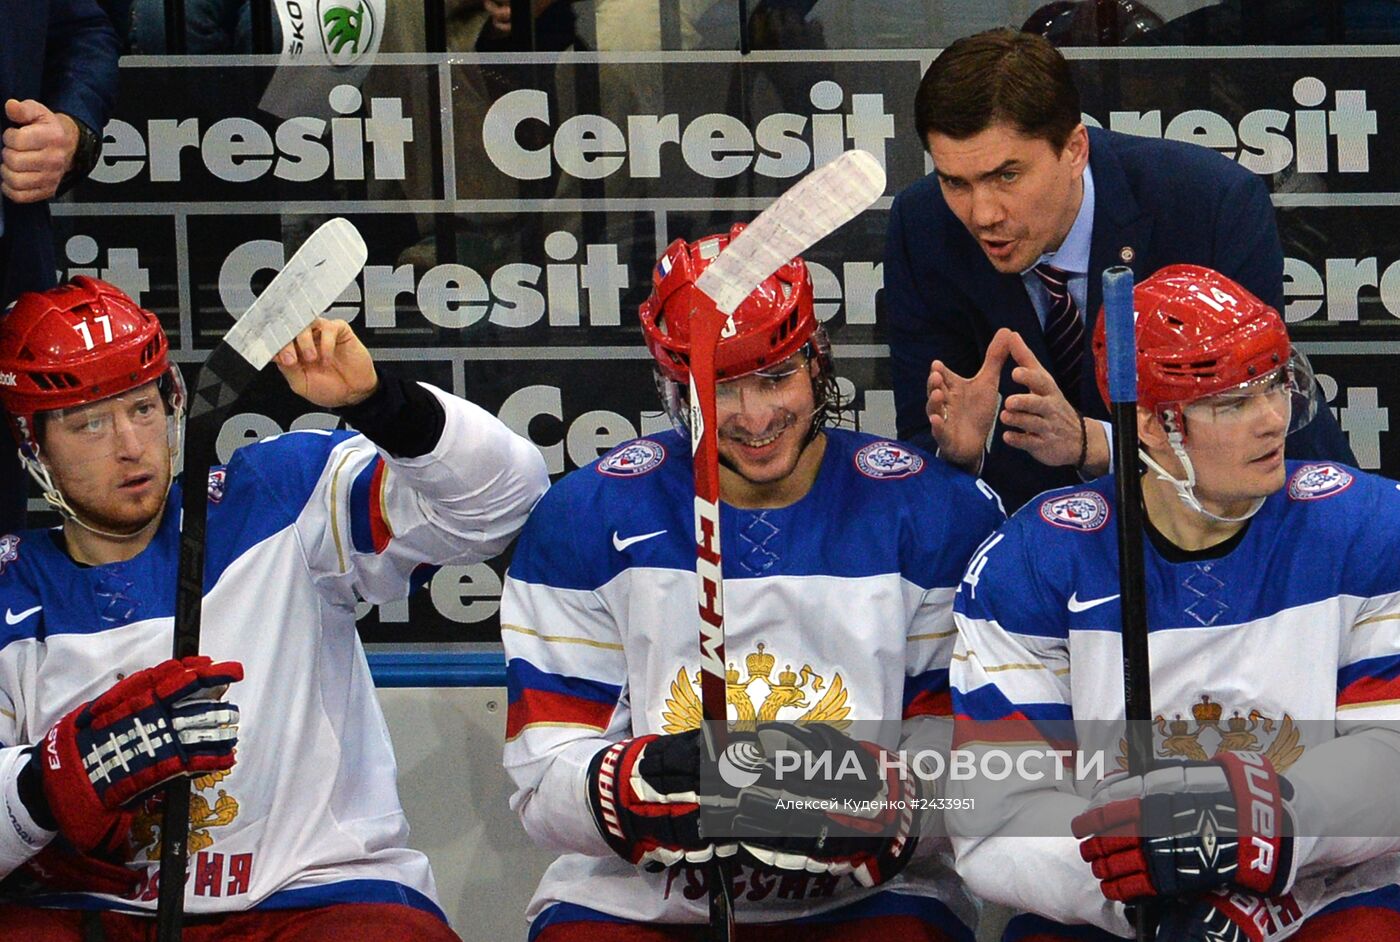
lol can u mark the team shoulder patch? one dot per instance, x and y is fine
(634, 458)
(887, 460)
(216, 485)
(1083, 510)
(9, 550)
(1316, 481)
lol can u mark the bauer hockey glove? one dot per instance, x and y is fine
(157, 724)
(1189, 828)
(827, 803)
(651, 801)
(1228, 916)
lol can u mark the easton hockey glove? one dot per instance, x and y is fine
(61, 868)
(1189, 828)
(826, 803)
(648, 798)
(157, 724)
(1228, 916)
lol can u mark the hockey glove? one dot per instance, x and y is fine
(826, 803)
(1228, 916)
(157, 724)
(58, 868)
(648, 797)
(1189, 828)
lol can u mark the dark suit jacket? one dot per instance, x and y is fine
(62, 53)
(1156, 203)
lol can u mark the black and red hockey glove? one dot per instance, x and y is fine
(651, 800)
(1190, 828)
(827, 803)
(157, 724)
(1228, 916)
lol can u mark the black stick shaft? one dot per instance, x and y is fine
(1137, 686)
(1137, 690)
(224, 375)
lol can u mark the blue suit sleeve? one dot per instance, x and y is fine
(80, 62)
(921, 327)
(1247, 248)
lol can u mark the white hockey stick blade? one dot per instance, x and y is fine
(815, 206)
(312, 279)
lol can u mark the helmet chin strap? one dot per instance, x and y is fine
(54, 497)
(1186, 490)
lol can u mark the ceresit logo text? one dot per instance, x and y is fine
(714, 145)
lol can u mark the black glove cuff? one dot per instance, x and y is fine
(401, 417)
(31, 793)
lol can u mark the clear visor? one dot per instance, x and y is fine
(131, 424)
(763, 389)
(1288, 394)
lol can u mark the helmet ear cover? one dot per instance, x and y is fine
(772, 323)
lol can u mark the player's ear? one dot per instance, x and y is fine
(1152, 433)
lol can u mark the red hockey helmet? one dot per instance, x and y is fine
(772, 324)
(1198, 334)
(72, 345)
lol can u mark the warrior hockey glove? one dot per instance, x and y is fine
(1188, 828)
(826, 803)
(157, 724)
(647, 796)
(1228, 916)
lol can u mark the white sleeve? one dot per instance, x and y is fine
(566, 676)
(1344, 800)
(1010, 681)
(20, 836)
(1344, 797)
(1014, 844)
(374, 519)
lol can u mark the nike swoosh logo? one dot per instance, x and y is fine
(12, 619)
(1074, 605)
(621, 544)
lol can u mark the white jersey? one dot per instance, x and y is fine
(301, 527)
(1283, 640)
(838, 607)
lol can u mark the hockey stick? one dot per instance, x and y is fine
(309, 283)
(812, 209)
(1122, 394)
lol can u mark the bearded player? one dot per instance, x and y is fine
(296, 829)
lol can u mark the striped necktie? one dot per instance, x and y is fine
(1064, 330)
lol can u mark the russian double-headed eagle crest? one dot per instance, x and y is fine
(1208, 733)
(145, 830)
(761, 698)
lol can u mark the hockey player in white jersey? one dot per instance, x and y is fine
(1273, 606)
(840, 555)
(299, 835)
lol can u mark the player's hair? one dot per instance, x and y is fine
(1001, 75)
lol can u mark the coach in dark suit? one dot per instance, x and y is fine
(993, 262)
(58, 80)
